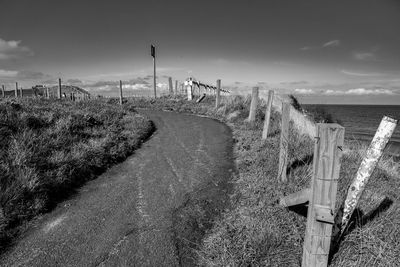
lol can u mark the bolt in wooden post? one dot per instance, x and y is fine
(120, 92)
(320, 217)
(3, 93)
(218, 94)
(284, 142)
(268, 114)
(367, 166)
(253, 105)
(59, 88)
(16, 89)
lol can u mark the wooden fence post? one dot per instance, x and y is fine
(176, 87)
(120, 92)
(59, 88)
(367, 166)
(284, 142)
(171, 89)
(21, 92)
(268, 114)
(16, 89)
(218, 96)
(189, 89)
(253, 105)
(320, 217)
(3, 93)
(47, 92)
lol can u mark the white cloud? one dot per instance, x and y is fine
(331, 43)
(304, 91)
(333, 92)
(363, 91)
(364, 56)
(13, 49)
(360, 91)
(305, 48)
(352, 73)
(8, 73)
(135, 86)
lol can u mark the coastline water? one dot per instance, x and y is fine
(362, 121)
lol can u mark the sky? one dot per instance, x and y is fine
(343, 52)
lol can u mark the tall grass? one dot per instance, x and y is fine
(48, 148)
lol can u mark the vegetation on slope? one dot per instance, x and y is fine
(257, 231)
(48, 148)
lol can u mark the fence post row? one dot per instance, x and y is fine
(284, 142)
(120, 92)
(253, 105)
(218, 96)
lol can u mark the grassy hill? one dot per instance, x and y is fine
(50, 147)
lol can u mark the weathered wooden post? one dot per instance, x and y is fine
(320, 217)
(176, 87)
(218, 94)
(171, 89)
(59, 88)
(3, 93)
(16, 89)
(367, 166)
(268, 114)
(120, 92)
(189, 89)
(284, 142)
(253, 105)
(21, 93)
(47, 92)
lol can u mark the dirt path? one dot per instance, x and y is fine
(140, 212)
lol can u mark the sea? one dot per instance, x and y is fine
(362, 121)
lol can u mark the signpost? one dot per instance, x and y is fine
(153, 54)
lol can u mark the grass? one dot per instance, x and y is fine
(257, 231)
(49, 148)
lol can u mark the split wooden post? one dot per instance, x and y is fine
(171, 89)
(284, 142)
(367, 166)
(253, 105)
(59, 88)
(176, 87)
(218, 96)
(16, 89)
(3, 93)
(268, 114)
(120, 92)
(320, 217)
